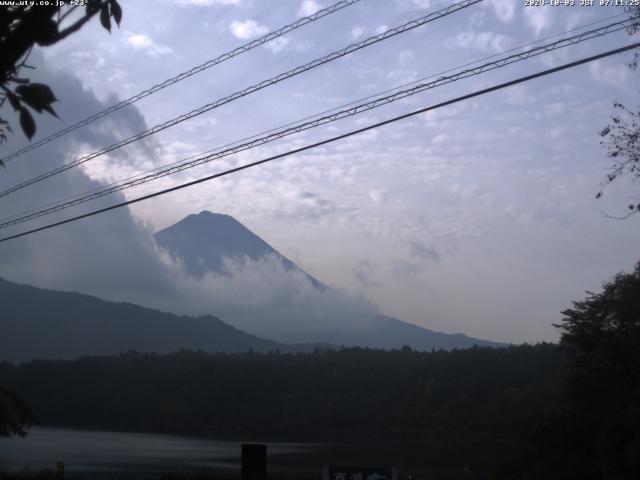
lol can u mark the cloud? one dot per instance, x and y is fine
(420, 250)
(539, 19)
(421, 3)
(406, 56)
(381, 29)
(301, 204)
(308, 8)
(365, 274)
(441, 117)
(83, 57)
(204, 3)
(277, 45)
(262, 297)
(356, 32)
(141, 41)
(413, 4)
(402, 269)
(112, 255)
(610, 74)
(247, 29)
(377, 195)
(504, 9)
(485, 41)
(520, 95)
(440, 139)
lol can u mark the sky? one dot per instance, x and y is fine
(478, 218)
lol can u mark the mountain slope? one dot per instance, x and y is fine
(202, 241)
(389, 332)
(383, 332)
(37, 323)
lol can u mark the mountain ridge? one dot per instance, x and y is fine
(40, 323)
(202, 241)
(44, 323)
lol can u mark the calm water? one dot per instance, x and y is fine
(148, 455)
(119, 456)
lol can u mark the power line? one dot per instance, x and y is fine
(252, 89)
(333, 109)
(184, 75)
(331, 140)
(303, 126)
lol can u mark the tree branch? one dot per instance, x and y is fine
(71, 28)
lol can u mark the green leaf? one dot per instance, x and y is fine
(27, 123)
(37, 95)
(116, 11)
(104, 16)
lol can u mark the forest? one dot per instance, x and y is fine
(473, 404)
(311, 396)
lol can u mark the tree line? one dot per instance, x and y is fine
(465, 404)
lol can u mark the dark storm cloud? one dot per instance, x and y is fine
(110, 255)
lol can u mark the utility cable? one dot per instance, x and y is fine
(331, 140)
(184, 75)
(303, 126)
(252, 89)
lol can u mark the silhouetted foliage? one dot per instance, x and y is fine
(622, 140)
(15, 415)
(634, 12)
(21, 28)
(621, 137)
(595, 434)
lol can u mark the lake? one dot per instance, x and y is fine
(118, 456)
(146, 455)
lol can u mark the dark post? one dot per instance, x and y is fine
(254, 461)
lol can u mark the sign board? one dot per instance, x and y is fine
(254, 461)
(359, 473)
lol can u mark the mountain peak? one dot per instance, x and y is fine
(202, 241)
(207, 215)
